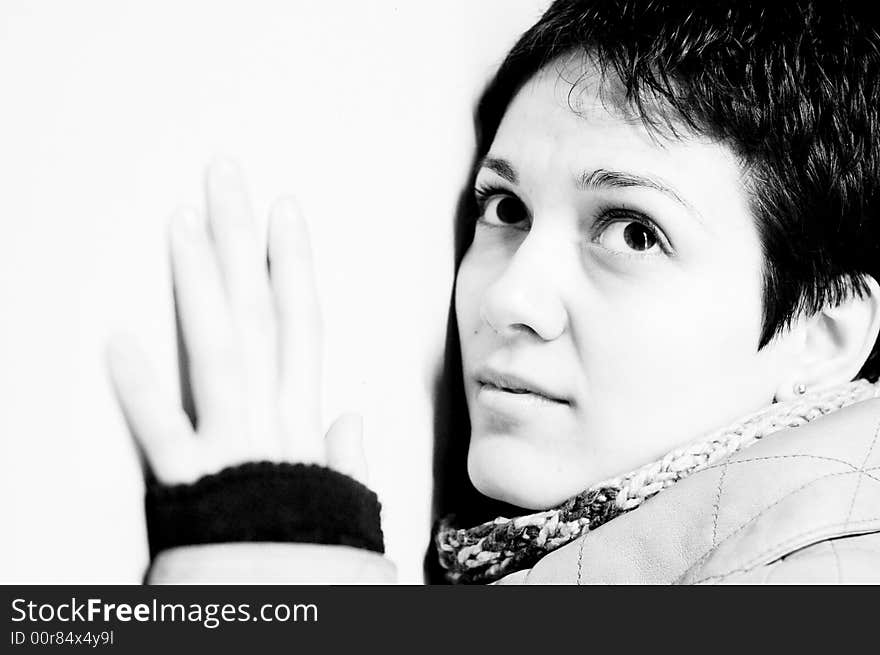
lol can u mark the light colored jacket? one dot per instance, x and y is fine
(800, 506)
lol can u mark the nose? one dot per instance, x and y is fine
(527, 297)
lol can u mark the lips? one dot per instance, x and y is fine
(512, 383)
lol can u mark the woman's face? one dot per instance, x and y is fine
(609, 307)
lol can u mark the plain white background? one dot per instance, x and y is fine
(109, 111)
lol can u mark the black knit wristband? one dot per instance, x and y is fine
(265, 501)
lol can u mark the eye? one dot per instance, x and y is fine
(500, 208)
(630, 234)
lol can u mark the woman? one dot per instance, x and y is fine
(671, 230)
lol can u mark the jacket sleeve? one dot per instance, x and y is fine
(265, 522)
(270, 563)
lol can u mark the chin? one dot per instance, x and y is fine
(507, 470)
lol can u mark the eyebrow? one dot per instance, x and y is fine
(597, 179)
(603, 178)
(501, 167)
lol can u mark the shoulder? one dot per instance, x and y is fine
(799, 502)
(846, 560)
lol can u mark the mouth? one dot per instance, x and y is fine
(493, 383)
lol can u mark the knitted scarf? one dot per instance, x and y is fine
(496, 548)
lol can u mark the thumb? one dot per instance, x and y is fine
(344, 445)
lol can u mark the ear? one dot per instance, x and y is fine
(834, 344)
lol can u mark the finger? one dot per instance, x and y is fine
(242, 261)
(161, 431)
(203, 315)
(344, 444)
(241, 256)
(299, 324)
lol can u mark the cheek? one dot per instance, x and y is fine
(698, 312)
(716, 318)
(697, 335)
(466, 294)
(681, 346)
(476, 272)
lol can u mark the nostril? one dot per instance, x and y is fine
(524, 307)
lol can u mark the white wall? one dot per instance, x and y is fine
(108, 112)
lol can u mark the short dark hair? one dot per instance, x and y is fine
(793, 87)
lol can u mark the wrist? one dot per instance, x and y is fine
(268, 502)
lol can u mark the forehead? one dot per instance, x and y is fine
(569, 118)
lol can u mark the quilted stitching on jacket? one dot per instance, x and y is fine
(866, 482)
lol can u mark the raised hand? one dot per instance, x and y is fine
(250, 336)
